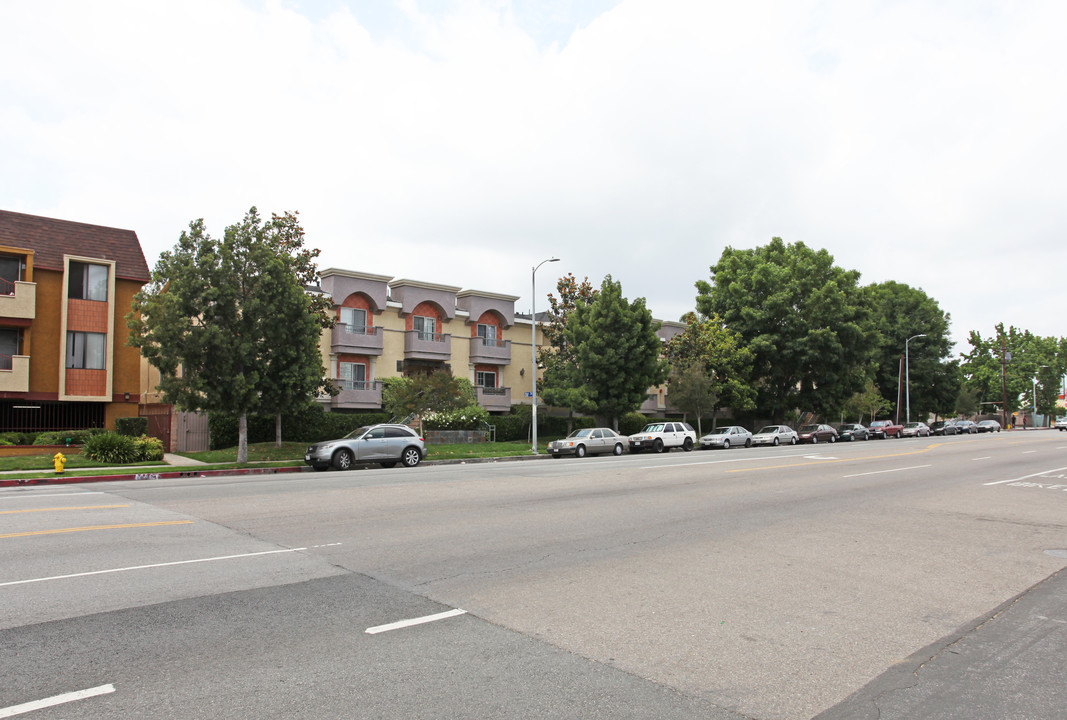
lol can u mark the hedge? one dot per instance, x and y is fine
(308, 424)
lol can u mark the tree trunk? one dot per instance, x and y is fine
(278, 430)
(242, 438)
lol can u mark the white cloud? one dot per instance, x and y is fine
(463, 142)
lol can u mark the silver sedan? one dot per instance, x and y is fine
(725, 437)
(776, 435)
(589, 441)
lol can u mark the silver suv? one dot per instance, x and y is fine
(385, 444)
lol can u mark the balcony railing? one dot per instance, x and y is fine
(358, 394)
(14, 373)
(421, 345)
(357, 339)
(18, 299)
(494, 399)
(490, 351)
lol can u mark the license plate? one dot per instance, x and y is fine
(307, 458)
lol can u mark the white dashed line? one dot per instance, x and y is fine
(879, 472)
(414, 621)
(1025, 477)
(55, 700)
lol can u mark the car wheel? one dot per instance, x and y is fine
(748, 442)
(776, 442)
(793, 440)
(618, 449)
(389, 464)
(579, 452)
(343, 459)
(411, 457)
(725, 444)
(657, 446)
(814, 439)
(833, 438)
(687, 446)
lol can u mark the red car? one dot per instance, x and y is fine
(885, 429)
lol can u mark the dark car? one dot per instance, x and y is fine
(852, 431)
(385, 444)
(967, 427)
(817, 433)
(944, 427)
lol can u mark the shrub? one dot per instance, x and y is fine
(472, 417)
(631, 423)
(18, 438)
(112, 448)
(149, 448)
(66, 437)
(310, 423)
(132, 426)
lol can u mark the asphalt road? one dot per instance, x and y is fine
(899, 578)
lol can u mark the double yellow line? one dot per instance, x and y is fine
(87, 527)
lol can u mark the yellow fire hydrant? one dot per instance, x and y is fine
(60, 460)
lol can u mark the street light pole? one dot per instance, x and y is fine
(533, 349)
(907, 377)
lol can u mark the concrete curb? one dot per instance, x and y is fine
(192, 472)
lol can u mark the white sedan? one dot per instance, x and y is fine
(726, 437)
(776, 435)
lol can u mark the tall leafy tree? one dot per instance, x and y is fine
(717, 351)
(208, 320)
(803, 318)
(690, 389)
(616, 350)
(899, 312)
(562, 384)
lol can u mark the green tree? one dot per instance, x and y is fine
(899, 312)
(438, 391)
(722, 358)
(867, 404)
(562, 385)
(690, 390)
(207, 320)
(803, 318)
(616, 350)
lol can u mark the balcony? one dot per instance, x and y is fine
(14, 373)
(357, 394)
(494, 399)
(420, 345)
(18, 299)
(356, 340)
(485, 351)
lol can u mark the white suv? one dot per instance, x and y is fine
(1061, 424)
(663, 435)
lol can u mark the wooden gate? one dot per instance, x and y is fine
(192, 433)
(158, 416)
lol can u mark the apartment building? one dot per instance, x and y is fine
(65, 289)
(390, 327)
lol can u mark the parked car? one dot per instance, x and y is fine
(883, 429)
(1061, 424)
(988, 426)
(944, 427)
(967, 427)
(776, 435)
(852, 431)
(385, 444)
(726, 437)
(589, 441)
(664, 435)
(915, 429)
(817, 433)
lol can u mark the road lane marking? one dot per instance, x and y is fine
(414, 621)
(879, 472)
(164, 564)
(1025, 477)
(987, 457)
(56, 509)
(1027, 452)
(95, 527)
(21, 494)
(14, 710)
(853, 459)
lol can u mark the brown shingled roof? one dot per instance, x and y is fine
(52, 239)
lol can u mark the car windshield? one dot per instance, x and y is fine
(845, 428)
(583, 432)
(769, 430)
(719, 431)
(655, 427)
(912, 425)
(809, 428)
(357, 432)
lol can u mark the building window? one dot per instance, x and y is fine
(354, 320)
(353, 376)
(487, 333)
(10, 342)
(86, 350)
(484, 379)
(10, 272)
(87, 282)
(426, 327)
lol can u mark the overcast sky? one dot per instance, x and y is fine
(463, 142)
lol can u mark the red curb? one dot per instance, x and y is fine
(70, 479)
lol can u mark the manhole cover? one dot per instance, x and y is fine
(1057, 553)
